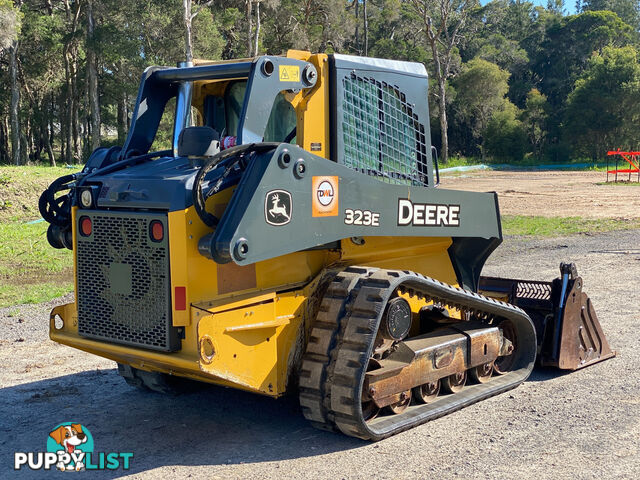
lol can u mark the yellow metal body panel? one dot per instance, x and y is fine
(312, 107)
(254, 346)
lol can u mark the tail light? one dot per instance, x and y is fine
(156, 231)
(86, 227)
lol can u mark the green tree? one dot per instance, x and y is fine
(443, 24)
(627, 10)
(9, 23)
(505, 137)
(602, 109)
(534, 120)
(315, 25)
(10, 20)
(481, 89)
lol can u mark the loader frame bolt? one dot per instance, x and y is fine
(267, 67)
(284, 160)
(299, 169)
(241, 249)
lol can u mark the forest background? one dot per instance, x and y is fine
(510, 80)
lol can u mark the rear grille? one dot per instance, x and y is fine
(123, 281)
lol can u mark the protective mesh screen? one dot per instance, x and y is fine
(123, 281)
(381, 134)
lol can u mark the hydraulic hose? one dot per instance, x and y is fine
(240, 151)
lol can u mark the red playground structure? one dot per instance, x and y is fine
(632, 158)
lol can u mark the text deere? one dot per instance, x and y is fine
(427, 215)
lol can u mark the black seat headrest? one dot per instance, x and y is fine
(198, 142)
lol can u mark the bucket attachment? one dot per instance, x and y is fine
(569, 333)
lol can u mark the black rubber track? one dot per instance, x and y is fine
(341, 344)
(316, 370)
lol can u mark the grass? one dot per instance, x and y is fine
(20, 188)
(31, 271)
(559, 226)
(620, 184)
(455, 161)
(459, 161)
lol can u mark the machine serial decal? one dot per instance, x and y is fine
(427, 215)
(324, 199)
(361, 217)
(278, 207)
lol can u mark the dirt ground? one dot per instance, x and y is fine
(577, 425)
(552, 194)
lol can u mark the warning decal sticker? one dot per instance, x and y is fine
(289, 73)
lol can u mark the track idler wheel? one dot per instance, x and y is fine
(369, 408)
(427, 392)
(482, 373)
(504, 364)
(454, 383)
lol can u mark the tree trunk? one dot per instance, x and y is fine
(44, 135)
(26, 143)
(4, 140)
(188, 46)
(249, 29)
(52, 157)
(444, 124)
(357, 32)
(66, 103)
(24, 158)
(15, 103)
(75, 108)
(92, 80)
(50, 119)
(442, 103)
(255, 50)
(366, 27)
(63, 133)
(73, 147)
(122, 118)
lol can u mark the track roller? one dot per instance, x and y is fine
(427, 392)
(454, 383)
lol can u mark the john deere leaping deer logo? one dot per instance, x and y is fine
(278, 207)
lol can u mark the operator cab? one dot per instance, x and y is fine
(241, 103)
(370, 115)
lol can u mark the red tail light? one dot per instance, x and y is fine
(86, 227)
(157, 231)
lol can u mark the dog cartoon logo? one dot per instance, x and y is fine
(278, 207)
(71, 441)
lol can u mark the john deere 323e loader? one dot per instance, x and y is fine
(293, 238)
